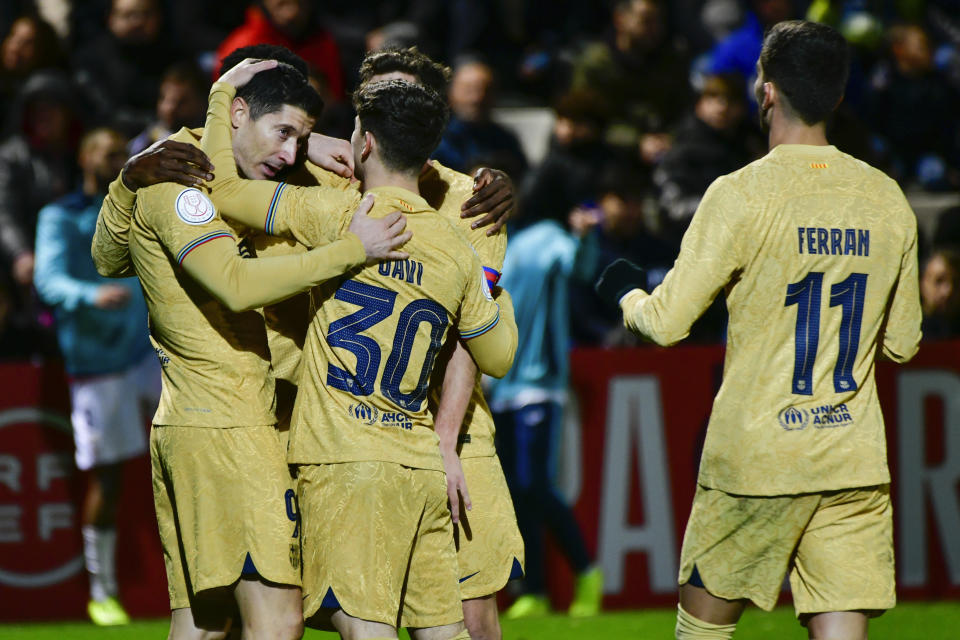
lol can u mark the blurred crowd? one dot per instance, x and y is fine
(651, 101)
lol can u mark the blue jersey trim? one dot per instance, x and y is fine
(469, 335)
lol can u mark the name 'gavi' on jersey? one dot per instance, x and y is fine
(817, 254)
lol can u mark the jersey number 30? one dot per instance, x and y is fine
(848, 295)
(376, 305)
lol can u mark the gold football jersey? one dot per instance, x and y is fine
(372, 342)
(817, 253)
(215, 362)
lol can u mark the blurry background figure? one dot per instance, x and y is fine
(571, 170)
(37, 165)
(913, 109)
(612, 227)
(714, 140)
(472, 133)
(119, 71)
(113, 373)
(740, 50)
(31, 44)
(293, 24)
(182, 103)
(641, 74)
(940, 294)
(528, 405)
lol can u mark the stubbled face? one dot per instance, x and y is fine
(470, 92)
(937, 286)
(266, 146)
(103, 157)
(763, 112)
(135, 21)
(356, 141)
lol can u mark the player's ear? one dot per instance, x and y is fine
(368, 143)
(770, 95)
(239, 112)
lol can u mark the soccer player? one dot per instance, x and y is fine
(352, 431)
(113, 373)
(817, 254)
(489, 546)
(224, 499)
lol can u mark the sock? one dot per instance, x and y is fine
(691, 628)
(99, 550)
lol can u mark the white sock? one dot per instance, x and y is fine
(99, 551)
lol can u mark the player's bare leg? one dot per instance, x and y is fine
(480, 616)
(703, 615)
(837, 625)
(269, 611)
(185, 624)
(455, 631)
(351, 628)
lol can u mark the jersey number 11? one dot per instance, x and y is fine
(849, 296)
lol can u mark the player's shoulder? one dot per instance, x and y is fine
(166, 201)
(445, 188)
(189, 136)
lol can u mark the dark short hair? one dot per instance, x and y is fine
(264, 52)
(410, 60)
(406, 119)
(809, 64)
(270, 90)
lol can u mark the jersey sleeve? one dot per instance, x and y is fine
(313, 216)
(487, 327)
(52, 277)
(188, 227)
(110, 249)
(901, 333)
(708, 259)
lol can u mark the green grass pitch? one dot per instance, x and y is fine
(909, 621)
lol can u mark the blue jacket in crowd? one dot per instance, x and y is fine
(93, 341)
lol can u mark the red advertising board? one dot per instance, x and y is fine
(631, 471)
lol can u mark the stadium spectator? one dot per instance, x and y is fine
(472, 134)
(912, 107)
(613, 227)
(528, 406)
(37, 164)
(292, 24)
(182, 103)
(569, 173)
(714, 140)
(741, 49)
(29, 45)
(639, 70)
(113, 372)
(940, 294)
(119, 71)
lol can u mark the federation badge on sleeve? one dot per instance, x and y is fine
(194, 207)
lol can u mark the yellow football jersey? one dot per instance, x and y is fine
(216, 363)
(477, 432)
(372, 343)
(817, 253)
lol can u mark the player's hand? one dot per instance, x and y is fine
(583, 218)
(111, 296)
(619, 278)
(333, 154)
(380, 236)
(457, 492)
(492, 194)
(243, 73)
(167, 161)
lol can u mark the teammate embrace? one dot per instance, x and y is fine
(373, 523)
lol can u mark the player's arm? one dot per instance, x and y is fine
(459, 379)
(310, 215)
(164, 161)
(51, 274)
(707, 261)
(489, 329)
(901, 330)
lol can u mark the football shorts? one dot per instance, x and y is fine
(836, 546)
(489, 546)
(107, 413)
(225, 506)
(378, 543)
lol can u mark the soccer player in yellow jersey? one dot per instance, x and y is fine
(817, 254)
(224, 500)
(369, 465)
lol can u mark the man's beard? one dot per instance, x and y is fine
(762, 117)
